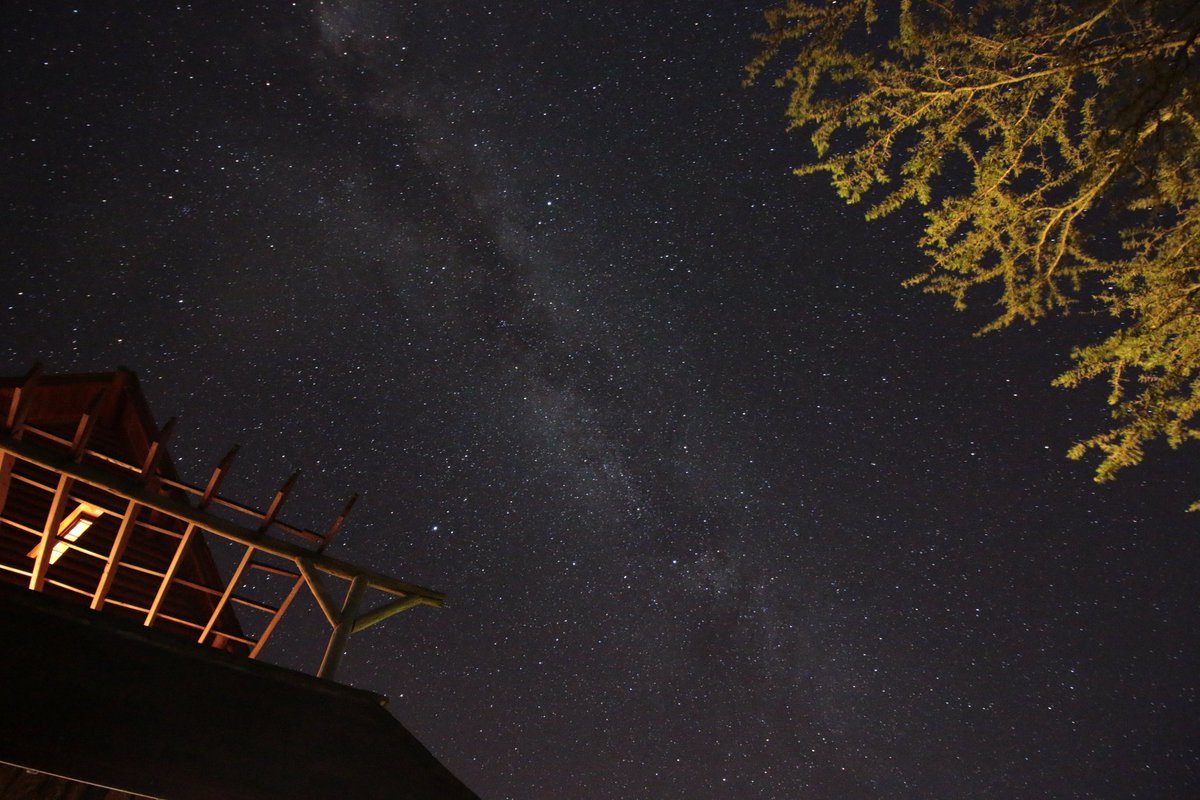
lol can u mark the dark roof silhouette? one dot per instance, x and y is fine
(111, 703)
(122, 662)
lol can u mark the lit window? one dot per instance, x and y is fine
(71, 528)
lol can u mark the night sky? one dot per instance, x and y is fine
(722, 511)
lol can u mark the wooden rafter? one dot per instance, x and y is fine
(268, 518)
(37, 580)
(210, 491)
(117, 552)
(277, 501)
(136, 493)
(176, 560)
(218, 476)
(157, 448)
(176, 507)
(384, 611)
(229, 588)
(87, 425)
(109, 575)
(337, 523)
(19, 407)
(276, 617)
(300, 579)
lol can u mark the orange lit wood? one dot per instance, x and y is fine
(250, 602)
(149, 469)
(115, 554)
(87, 424)
(134, 492)
(172, 506)
(6, 467)
(271, 569)
(19, 407)
(270, 628)
(161, 595)
(300, 580)
(337, 523)
(218, 475)
(229, 587)
(207, 494)
(277, 501)
(318, 589)
(157, 448)
(58, 506)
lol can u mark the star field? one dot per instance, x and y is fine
(721, 510)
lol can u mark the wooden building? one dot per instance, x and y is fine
(129, 659)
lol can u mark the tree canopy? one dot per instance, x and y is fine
(1055, 146)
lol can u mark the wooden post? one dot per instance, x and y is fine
(341, 633)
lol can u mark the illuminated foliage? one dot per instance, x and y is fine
(1056, 149)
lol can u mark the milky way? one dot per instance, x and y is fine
(721, 510)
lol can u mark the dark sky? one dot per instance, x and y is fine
(722, 511)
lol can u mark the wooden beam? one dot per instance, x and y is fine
(341, 633)
(319, 590)
(87, 424)
(337, 523)
(7, 462)
(277, 501)
(50, 534)
(149, 468)
(58, 506)
(157, 448)
(115, 554)
(283, 607)
(250, 602)
(218, 475)
(313, 579)
(18, 409)
(271, 569)
(131, 489)
(176, 561)
(384, 611)
(208, 495)
(229, 587)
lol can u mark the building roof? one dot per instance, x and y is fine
(122, 663)
(112, 703)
